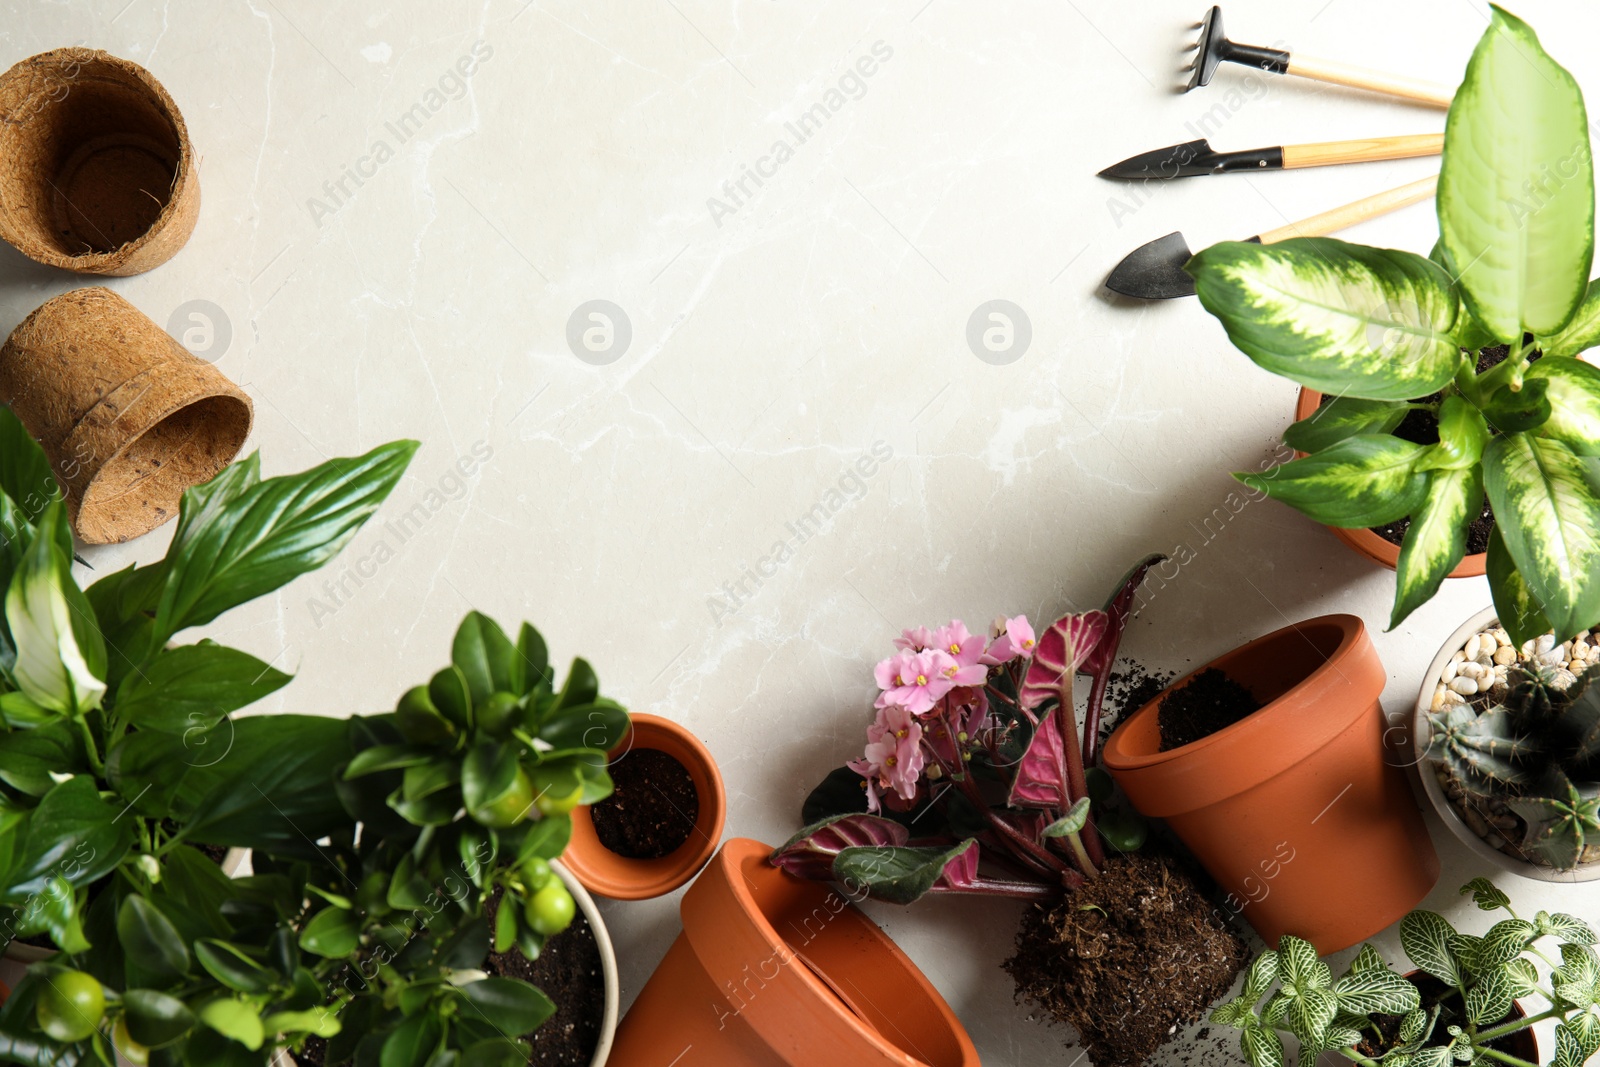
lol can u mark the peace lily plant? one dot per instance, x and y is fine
(1376, 1017)
(1385, 332)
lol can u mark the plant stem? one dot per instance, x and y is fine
(1075, 781)
(1502, 1057)
(1080, 852)
(91, 746)
(1496, 1032)
(996, 887)
(1352, 1054)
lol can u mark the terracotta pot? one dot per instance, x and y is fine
(128, 417)
(621, 878)
(1429, 782)
(775, 970)
(96, 170)
(1382, 552)
(1286, 805)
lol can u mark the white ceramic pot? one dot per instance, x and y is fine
(1424, 769)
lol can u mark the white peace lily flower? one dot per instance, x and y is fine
(50, 668)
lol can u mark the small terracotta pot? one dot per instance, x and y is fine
(1286, 806)
(1382, 552)
(1421, 732)
(96, 170)
(775, 970)
(621, 878)
(128, 417)
(1523, 1044)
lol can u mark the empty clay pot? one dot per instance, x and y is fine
(128, 417)
(775, 971)
(1382, 552)
(1299, 811)
(622, 878)
(96, 170)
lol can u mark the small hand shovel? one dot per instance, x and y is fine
(1194, 158)
(1214, 49)
(1155, 271)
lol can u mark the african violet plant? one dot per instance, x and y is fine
(463, 794)
(1373, 1015)
(1386, 332)
(975, 753)
(1537, 752)
(119, 760)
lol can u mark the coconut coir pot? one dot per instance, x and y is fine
(128, 417)
(1299, 811)
(96, 170)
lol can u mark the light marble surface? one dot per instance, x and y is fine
(775, 339)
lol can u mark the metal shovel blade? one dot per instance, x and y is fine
(1154, 271)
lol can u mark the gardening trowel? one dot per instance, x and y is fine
(1155, 271)
(1213, 49)
(1194, 158)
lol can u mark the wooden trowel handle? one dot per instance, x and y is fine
(1365, 150)
(1331, 70)
(1341, 218)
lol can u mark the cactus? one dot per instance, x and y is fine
(1538, 752)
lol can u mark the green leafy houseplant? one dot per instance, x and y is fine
(1373, 1015)
(1384, 331)
(119, 761)
(463, 795)
(1538, 752)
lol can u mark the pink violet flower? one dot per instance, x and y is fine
(963, 647)
(914, 640)
(1016, 639)
(916, 680)
(894, 757)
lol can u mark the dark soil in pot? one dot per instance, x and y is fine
(1127, 958)
(653, 808)
(1422, 428)
(1128, 690)
(570, 973)
(1520, 1044)
(314, 1054)
(1211, 701)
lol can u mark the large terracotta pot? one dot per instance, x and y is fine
(774, 970)
(1295, 810)
(621, 878)
(1382, 552)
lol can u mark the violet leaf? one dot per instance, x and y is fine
(811, 852)
(1064, 647)
(1042, 771)
(902, 874)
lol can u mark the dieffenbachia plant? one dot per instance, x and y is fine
(1290, 991)
(464, 794)
(1386, 332)
(119, 759)
(976, 754)
(1538, 752)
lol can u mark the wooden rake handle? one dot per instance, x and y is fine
(1341, 218)
(1331, 70)
(1324, 153)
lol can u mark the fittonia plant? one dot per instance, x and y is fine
(1477, 981)
(1385, 332)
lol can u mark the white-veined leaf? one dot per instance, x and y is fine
(1425, 936)
(1373, 991)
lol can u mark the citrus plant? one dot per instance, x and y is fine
(1385, 332)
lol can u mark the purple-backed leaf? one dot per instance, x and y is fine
(1041, 776)
(901, 874)
(960, 874)
(1119, 607)
(1061, 650)
(810, 853)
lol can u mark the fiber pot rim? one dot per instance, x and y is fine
(185, 183)
(611, 875)
(1133, 761)
(1380, 551)
(1423, 776)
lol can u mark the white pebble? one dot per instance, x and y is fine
(1465, 686)
(1502, 638)
(1453, 697)
(1473, 644)
(1552, 657)
(1449, 671)
(1546, 642)
(1576, 666)
(1505, 655)
(1438, 698)
(1470, 670)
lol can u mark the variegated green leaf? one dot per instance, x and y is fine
(1337, 317)
(1490, 999)
(1262, 1047)
(1341, 1035)
(1485, 894)
(1367, 992)
(1239, 1012)
(1298, 965)
(1573, 389)
(1582, 331)
(1277, 1010)
(1463, 433)
(60, 653)
(1368, 959)
(1504, 942)
(1310, 1014)
(1341, 417)
(1361, 481)
(1524, 258)
(1519, 611)
(1569, 1050)
(1425, 937)
(1259, 978)
(1547, 509)
(1465, 949)
(1569, 928)
(1437, 538)
(1412, 1026)
(1523, 976)
(1432, 1056)
(1583, 1031)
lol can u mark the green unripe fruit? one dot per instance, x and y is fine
(70, 1006)
(511, 807)
(550, 910)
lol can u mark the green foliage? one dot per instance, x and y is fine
(1539, 752)
(1384, 332)
(1291, 991)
